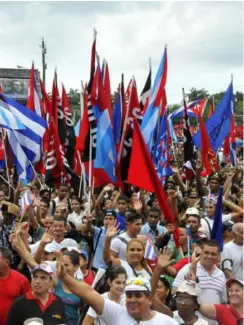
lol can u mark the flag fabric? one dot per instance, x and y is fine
(91, 95)
(150, 251)
(233, 142)
(212, 107)
(172, 132)
(218, 125)
(9, 120)
(33, 101)
(189, 154)
(117, 117)
(26, 200)
(84, 124)
(162, 156)
(217, 230)
(134, 112)
(188, 171)
(70, 141)
(107, 88)
(194, 109)
(105, 152)
(142, 164)
(208, 157)
(150, 117)
(146, 91)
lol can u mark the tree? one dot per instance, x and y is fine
(74, 96)
(195, 94)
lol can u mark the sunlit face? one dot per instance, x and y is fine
(41, 282)
(137, 304)
(214, 185)
(59, 228)
(108, 220)
(210, 209)
(235, 294)
(194, 223)
(135, 252)
(75, 206)
(209, 256)
(135, 227)
(43, 208)
(122, 206)
(117, 286)
(63, 192)
(68, 265)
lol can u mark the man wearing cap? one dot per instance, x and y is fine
(193, 220)
(138, 302)
(187, 304)
(38, 302)
(231, 314)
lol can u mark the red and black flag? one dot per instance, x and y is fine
(146, 91)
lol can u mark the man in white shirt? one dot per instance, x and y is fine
(119, 243)
(232, 256)
(211, 279)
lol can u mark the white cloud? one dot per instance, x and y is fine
(205, 40)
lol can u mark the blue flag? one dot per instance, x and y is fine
(217, 231)
(117, 118)
(218, 125)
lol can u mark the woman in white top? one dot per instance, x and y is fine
(135, 263)
(116, 279)
(75, 218)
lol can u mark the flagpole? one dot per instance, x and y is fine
(188, 234)
(6, 161)
(90, 174)
(81, 175)
(36, 174)
(124, 126)
(4, 179)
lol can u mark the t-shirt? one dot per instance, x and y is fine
(233, 253)
(119, 245)
(207, 222)
(98, 244)
(130, 273)
(121, 221)
(76, 218)
(225, 314)
(11, 287)
(116, 314)
(200, 321)
(91, 312)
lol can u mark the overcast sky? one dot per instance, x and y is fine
(205, 41)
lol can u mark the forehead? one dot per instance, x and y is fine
(235, 285)
(193, 218)
(41, 274)
(136, 245)
(210, 248)
(59, 223)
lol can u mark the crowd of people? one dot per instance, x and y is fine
(69, 261)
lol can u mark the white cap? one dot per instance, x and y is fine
(45, 267)
(191, 288)
(68, 242)
(138, 284)
(50, 248)
(192, 211)
(33, 321)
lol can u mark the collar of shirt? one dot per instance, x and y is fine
(29, 296)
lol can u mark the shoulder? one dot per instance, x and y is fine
(161, 317)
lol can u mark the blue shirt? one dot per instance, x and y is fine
(71, 303)
(121, 220)
(98, 261)
(146, 230)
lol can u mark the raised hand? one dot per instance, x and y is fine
(137, 205)
(196, 256)
(170, 228)
(108, 187)
(60, 270)
(48, 236)
(164, 258)
(112, 230)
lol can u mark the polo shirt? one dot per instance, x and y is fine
(146, 230)
(226, 314)
(28, 306)
(11, 287)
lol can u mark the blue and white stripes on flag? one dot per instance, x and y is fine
(26, 200)
(26, 144)
(9, 120)
(218, 125)
(105, 149)
(150, 251)
(191, 110)
(162, 152)
(150, 118)
(172, 132)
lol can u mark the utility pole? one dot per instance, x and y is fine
(44, 65)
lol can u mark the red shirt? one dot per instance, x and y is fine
(89, 278)
(29, 295)
(226, 314)
(11, 287)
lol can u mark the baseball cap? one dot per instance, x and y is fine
(138, 284)
(189, 287)
(230, 281)
(43, 267)
(50, 248)
(68, 242)
(110, 212)
(192, 211)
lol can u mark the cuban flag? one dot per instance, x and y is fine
(26, 200)
(105, 149)
(193, 109)
(33, 102)
(150, 118)
(150, 251)
(26, 143)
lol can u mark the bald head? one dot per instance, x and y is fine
(238, 233)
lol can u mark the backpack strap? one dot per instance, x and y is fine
(98, 237)
(209, 228)
(123, 240)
